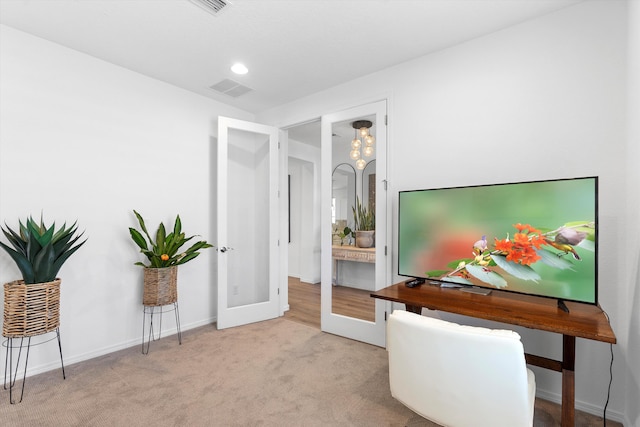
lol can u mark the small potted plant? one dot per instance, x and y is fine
(364, 225)
(160, 275)
(346, 233)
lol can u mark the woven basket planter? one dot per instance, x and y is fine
(160, 286)
(31, 310)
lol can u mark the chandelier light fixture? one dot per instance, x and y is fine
(362, 140)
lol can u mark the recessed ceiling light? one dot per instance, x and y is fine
(239, 68)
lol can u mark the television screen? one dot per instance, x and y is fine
(537, 238)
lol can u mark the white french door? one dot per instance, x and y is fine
(337, 133)
(247, 222)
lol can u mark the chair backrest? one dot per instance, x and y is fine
(458, 375)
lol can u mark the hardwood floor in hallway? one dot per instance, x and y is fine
(304, 302)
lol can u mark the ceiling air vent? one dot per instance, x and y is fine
(231, 88)
(214, 7)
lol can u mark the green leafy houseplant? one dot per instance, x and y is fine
(163, 250)
(39, 251)
(365, 218)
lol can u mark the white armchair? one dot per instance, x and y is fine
(457, 375)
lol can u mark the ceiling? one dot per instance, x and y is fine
(293, 48)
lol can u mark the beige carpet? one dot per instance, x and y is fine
(274, 373)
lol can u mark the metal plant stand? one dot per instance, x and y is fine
(9, 365)
(150, 310)
(31, 310)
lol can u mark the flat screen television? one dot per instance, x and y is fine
(538, 238)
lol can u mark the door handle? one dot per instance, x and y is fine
(225, 249)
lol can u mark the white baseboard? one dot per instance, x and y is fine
(585, 407)
(310, 279)
(39, 369)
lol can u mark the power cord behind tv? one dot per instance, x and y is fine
(604, 414)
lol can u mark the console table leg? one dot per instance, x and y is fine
(414, 308)
(568, 380)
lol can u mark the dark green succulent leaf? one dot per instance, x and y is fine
(43, 265)
(23, 230)
(62, 258)
(33, 245)
(61, 249)
(63, 243)
(24, 265)
(45, 238)
(63, 232)
(41, 249)
(15, 240)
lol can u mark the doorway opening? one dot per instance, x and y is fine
(304, 250)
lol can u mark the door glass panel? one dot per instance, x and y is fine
(248, 219)
(354, 261)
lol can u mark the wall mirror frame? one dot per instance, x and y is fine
(369, 185)
(343, 197)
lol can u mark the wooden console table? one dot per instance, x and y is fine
(352, 253)
(582, 321)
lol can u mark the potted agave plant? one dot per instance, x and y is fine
(39, 252)
(32, 304)
(364, 225)
(164, 256)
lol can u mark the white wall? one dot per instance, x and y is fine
(295, 170)
(82, 139)
(631, 238)
(543, 99)
(304, 248)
